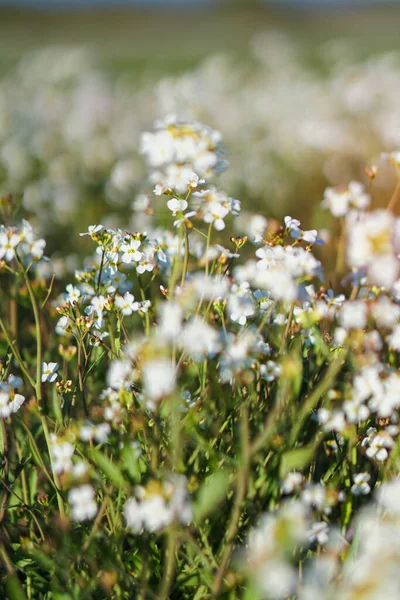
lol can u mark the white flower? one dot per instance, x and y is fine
(394, 338)
(339, 200)
(170, 324)
(159, 189)
(133, 515)
(361, 486)
(81, 500)
(319, 533)
(215, 214)
(378, 444)
(199, 339)
(130, 251)
(73, 294)
(8, 243)
(61, 453)
(99, 432)
(310, 236)
(353, 315)
(291, 482)
(119, 374)
(176, 206)
(62, 324)
(92, 230)
(158, 379)
(127, 304)
(373, 242)
(270, 371)
(49, 372)
(9, 402)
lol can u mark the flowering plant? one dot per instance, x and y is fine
(202, 421)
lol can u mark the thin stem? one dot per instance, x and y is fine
(169, 564)
(38, 385)
(395, 197)
(208, 245)
(16, 354)
(287, 329)
(240, 494)
(186, 257)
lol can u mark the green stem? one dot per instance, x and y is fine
(16, 354)
(38, 384)
(240, 494)
(186, 258)
(208, 245)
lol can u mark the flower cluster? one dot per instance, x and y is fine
(209, 405)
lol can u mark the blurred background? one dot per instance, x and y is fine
(306, 94)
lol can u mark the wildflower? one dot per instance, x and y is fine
(215, 214)
(240, 303)
(158, 379)
(377, 444)
(92, 230)
(373, 243)
(119, 374)
(361, 486)
(319, 533)
(340, 200)
(157, 506)
(10, 402)
(8, 243)
(61, 452)
(176, 206)
(49, 372)
(73, 294)
(81, 500)
(170, 320)
(353, 315)
(127, 304)
(270, 371)
(99, 433)
(199, 339)
(130, 251)
(291, 482)
(394, 338)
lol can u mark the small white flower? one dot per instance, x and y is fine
(291, 482)
(8, 243)
(49, 372)
(270, 371)
(130, 252)
(92, 229)
(215, 214)
(127, 304)
(83, 506)
(361, 486)
(176, 206)
(319, 533)
(158, 379)
(73, 294)
(61, 453)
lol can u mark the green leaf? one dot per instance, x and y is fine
(202, 592)
(14, 589)
(297, 459)
(57, 407)
(36, 455)
(109, 468)
(42, 559)
(130, 463)
(211, 494)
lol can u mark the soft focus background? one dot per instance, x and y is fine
(306, 94)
